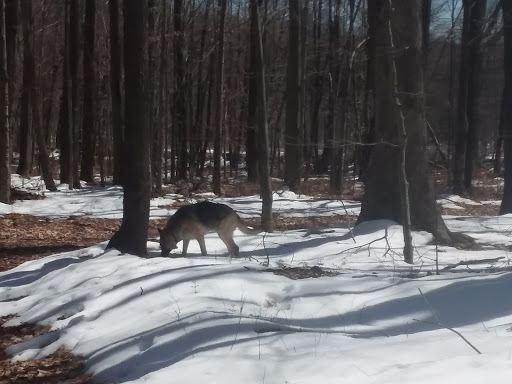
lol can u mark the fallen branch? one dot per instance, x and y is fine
(473, 262)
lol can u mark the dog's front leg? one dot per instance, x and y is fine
(185, 247)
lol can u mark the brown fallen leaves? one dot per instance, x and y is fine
(59, 368)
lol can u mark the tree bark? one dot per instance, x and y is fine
(5, 173)
(65, 118)
(75, 53)
(26, 132)
(11, 36)
(89, 114)
(264, 172)
(219, 118)
(180, 118)
(293, 151)
(251, 148)
(34, 90)
(116, 89)
(466, 136)
(382, 193)
(506, 204)
(132, 235)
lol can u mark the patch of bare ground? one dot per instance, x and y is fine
(60, 367)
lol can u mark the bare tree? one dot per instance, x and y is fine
(5, 174)
(382, 192)
(293, 151)
(89, 118)
(34, 92)
(219, 117)
(264, 172)
(116, 89)
(132, 236)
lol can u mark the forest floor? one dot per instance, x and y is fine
(25, 237)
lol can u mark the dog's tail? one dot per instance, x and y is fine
(245, 229)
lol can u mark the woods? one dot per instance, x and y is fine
(258, 90)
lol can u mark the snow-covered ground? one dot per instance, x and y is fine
(205, 319)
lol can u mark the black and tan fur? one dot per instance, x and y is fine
(195, 220)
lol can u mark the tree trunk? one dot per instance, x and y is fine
(478, 21)
(34, 89)
(132, 236)
(26, 132)
(251, 148)
(466, 132)
(5, 174)
(65, 119)
(157, 147)
(506, 204)
(293, 138)
(219, 117)
(265, 187)
(89, 115)
(382, 193)
(498, 145)
(74, 53)
(11, 36)
(180, 118)
(116, 90)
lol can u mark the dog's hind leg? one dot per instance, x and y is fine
(202, 245)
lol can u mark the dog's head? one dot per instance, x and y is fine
(168, 242)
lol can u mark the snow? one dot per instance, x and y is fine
(206, 319)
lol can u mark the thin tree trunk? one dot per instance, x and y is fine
(26, 131)
(157, 148)
(116, 90)
(251, 148)
(180, 118)
(74, 53)
(219, 118)
(266, 190)
(65, 119)
(89, 115)
(34, 89)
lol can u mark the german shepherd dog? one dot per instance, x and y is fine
(195, 220)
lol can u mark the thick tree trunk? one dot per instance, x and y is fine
(89, 115)
(5, 174)
(264, 174)
(132, 236)
(506, 204)
(478, 21)
(293, 150)
(382, 194)
(219, 116)
(116, 90)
